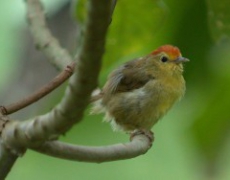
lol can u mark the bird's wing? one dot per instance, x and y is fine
(128, 77)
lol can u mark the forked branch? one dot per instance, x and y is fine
(69, 111)
(38, 132)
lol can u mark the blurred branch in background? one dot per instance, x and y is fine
(32, 64)
(43, 38)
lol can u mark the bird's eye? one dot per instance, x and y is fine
(164, 59)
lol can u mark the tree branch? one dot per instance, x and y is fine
(140, 144)
(43, 38)
(43, 91)
(7, 160)
(70, 110)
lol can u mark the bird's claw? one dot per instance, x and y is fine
(145, 132)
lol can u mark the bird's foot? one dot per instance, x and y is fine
(145, 132)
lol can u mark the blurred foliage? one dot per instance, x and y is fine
(215, 117)
(129, 28)
(78, 10)
(218, 14)
(193, 140)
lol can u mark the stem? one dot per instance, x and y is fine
(56, 82)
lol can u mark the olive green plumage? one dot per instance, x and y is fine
(138, 93)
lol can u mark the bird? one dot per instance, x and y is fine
(141, 91)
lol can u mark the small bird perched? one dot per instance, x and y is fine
(138, 93)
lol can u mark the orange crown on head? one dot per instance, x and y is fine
(172, 51)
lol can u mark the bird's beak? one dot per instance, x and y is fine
(181, 60)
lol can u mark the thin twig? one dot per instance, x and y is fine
(139, 145)
(43, 38)
(43, 91)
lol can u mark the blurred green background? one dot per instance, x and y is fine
(191, 142)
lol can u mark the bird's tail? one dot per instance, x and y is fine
(95, 100)
(96, 95)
